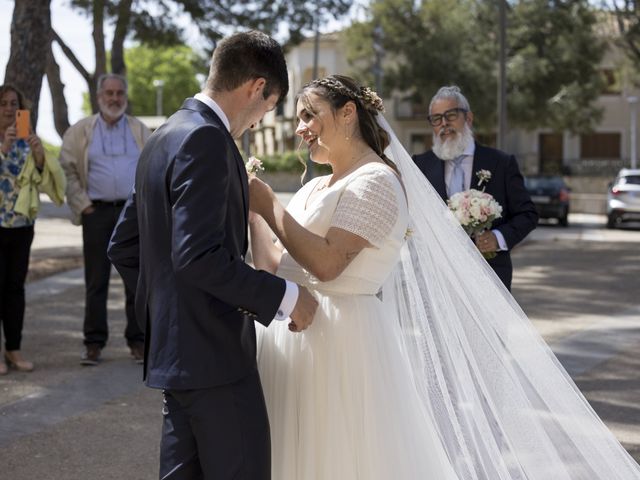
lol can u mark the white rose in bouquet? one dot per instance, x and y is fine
(475, 210)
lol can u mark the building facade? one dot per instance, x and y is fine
(597, 154)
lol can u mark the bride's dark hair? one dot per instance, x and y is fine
(340, 89)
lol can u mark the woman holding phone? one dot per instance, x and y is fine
(16, 229)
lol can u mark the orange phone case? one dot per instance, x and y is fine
(22, 123)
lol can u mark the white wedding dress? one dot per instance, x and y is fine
(341, 399)
(442, 372)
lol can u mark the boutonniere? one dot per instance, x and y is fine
(483, 177)
(254, 165)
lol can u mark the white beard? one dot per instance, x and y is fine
(453, 147)
(112, 112)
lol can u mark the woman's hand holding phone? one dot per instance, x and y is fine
(23, 123)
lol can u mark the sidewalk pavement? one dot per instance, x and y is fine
(68, 422)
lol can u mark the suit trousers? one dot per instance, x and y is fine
(15, 246)
(97, 228)
(218, 433)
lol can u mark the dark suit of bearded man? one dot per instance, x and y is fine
(519, 216)
(451, 119)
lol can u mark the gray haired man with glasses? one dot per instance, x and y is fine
(453, 165)
(99, 155)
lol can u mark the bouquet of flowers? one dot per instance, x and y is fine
(475, 210)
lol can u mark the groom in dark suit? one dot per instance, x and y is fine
(454, 165)
(180, 243)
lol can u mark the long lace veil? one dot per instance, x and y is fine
(503, 405)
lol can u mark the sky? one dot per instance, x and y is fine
(75, 30)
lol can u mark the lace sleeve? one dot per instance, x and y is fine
(368, 206)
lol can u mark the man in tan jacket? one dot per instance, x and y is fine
(99, 156)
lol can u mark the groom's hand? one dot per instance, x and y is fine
(303, 312)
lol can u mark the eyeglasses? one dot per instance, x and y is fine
(449, 116)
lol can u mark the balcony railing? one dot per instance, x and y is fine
(596, 166)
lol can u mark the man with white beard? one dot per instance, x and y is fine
(454, 165)
(99, 156)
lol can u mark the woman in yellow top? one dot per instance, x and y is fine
(16, 229)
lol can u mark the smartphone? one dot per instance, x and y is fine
(22, 123)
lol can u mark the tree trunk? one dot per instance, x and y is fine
(117, 46)
(30, 44)
(60, 110)
(101, 53)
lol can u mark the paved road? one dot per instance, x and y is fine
(578, 285)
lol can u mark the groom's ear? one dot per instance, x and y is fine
(255, 87)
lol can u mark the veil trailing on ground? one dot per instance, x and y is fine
(503, 405)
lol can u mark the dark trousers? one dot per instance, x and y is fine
(503, 267)
(15, 246)
(97, 228)
(219, 433)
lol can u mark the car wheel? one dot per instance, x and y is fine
(612, 220)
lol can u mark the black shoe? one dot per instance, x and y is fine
(137, 352)
(91, 356)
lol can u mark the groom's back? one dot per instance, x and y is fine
(196, 338)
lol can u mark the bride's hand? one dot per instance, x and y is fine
(261, 196)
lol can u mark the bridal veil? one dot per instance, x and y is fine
(504, 407)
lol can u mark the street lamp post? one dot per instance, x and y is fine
(158, 84)
(633, 101)
(502, 75)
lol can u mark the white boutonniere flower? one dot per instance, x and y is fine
(254, 165)
(483, 176)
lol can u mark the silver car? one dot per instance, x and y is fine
(623, 198)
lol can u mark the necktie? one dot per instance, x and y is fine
(456, 184)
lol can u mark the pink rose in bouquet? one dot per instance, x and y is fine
(475, 210)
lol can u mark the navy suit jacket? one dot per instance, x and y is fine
(180, 243)
(519, 214)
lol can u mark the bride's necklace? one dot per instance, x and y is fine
(356, 163)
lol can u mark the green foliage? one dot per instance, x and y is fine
(627, 18)
(154, 22)
(176, 66)
(553, 66)
(292, 161)
(553, 54)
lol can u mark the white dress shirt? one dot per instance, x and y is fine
(290, 298)
(113, 156)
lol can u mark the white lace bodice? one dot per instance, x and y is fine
(369, 202)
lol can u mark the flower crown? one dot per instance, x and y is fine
(367, 97)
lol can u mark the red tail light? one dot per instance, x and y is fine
(615, 191)
(564, 195)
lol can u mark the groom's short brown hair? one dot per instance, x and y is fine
(246, 56)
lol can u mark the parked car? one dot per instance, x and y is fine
(550, 195)
(623, 198)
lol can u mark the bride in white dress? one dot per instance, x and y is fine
(419, 364)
